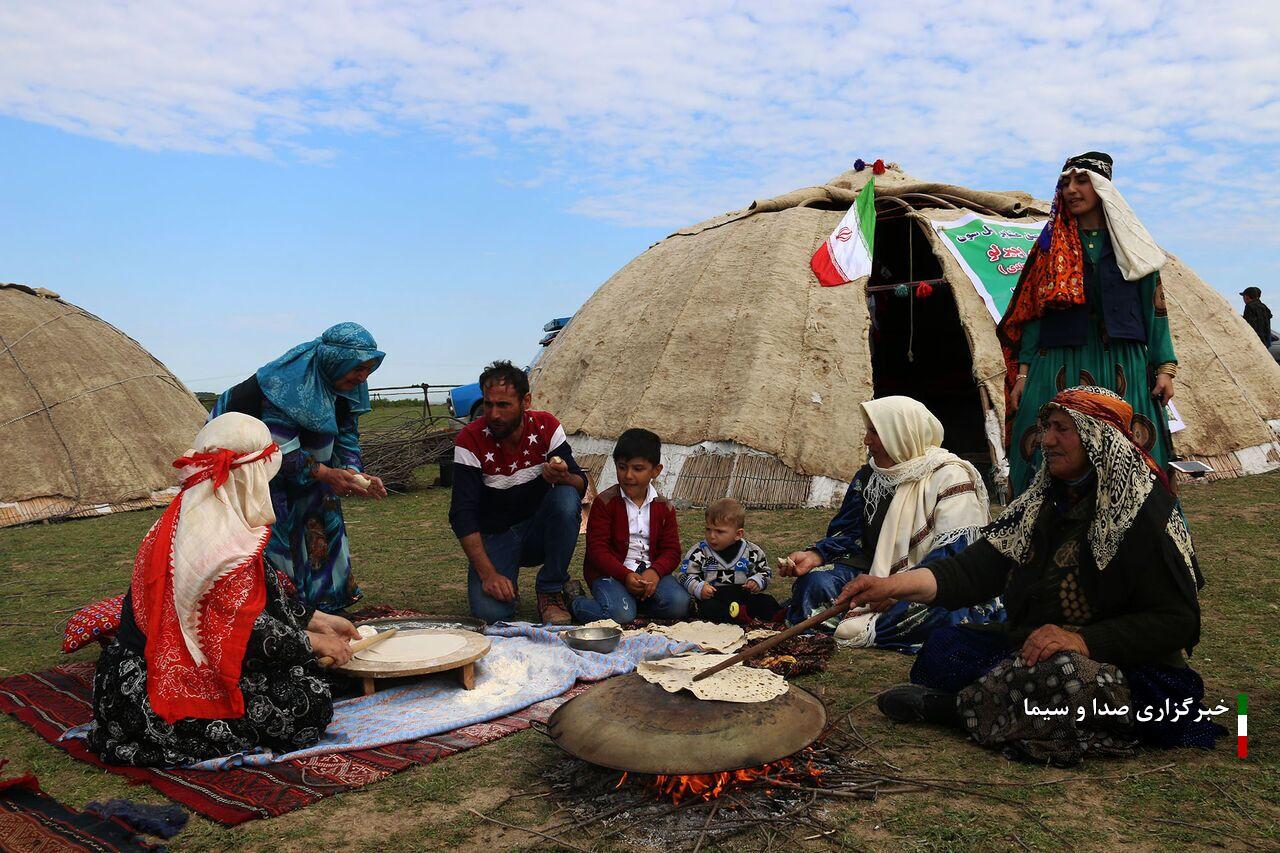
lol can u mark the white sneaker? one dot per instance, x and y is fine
(858, 631)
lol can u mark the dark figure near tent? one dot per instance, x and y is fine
(1257, 314)
(1099, 578)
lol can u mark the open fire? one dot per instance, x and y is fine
(709, 786)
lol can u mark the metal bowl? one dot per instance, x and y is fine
(602, 640)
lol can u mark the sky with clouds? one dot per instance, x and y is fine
(223, 180)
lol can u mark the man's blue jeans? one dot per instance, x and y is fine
(547, 538)
(612, 601)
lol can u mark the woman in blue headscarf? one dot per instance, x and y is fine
(311, 397)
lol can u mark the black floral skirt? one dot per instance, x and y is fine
(286, 708)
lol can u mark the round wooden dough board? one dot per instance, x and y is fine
(463, 659)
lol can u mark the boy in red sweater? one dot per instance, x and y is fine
(633, 541)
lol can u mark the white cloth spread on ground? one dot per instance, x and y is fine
(527, 664)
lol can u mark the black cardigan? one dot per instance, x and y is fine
(1143, 604)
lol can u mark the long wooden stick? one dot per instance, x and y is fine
(765, 645)
(361, 645)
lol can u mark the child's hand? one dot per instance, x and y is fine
(634, 584)
(751, 586)
(708, 591)
(650, 578)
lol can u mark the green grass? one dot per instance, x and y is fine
(407, 556)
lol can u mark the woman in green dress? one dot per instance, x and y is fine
(1088, 310)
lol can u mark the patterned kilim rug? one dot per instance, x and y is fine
(53, 701)
(32, 820)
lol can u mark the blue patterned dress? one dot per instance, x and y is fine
(303, 410)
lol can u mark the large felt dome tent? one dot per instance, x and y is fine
(89, 420)
(720, 339)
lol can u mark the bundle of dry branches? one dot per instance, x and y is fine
(396, 449)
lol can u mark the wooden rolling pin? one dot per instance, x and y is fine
(361, 645)
(765, 645)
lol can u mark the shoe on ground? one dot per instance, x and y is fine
(572, 590)
(858, 630)
(551, 609)
(912, 703)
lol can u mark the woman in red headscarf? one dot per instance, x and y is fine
(211, 657)
(1099, 580)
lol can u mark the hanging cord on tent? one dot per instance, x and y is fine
(911, 293)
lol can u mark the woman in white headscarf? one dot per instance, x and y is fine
(913, 501)
(212, 658)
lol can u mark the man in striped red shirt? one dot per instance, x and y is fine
(517, 500)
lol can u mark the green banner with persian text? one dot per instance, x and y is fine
(992, 253)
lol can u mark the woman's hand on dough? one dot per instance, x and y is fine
(324, 623)
(341, 481)
(330, 645)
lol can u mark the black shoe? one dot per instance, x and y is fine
(911, 703)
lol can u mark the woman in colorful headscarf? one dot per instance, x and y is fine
(312, 397)
(211, 657)
(1089, 309)
(1099, 579)
(913, 502)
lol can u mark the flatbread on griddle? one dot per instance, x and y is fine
(734, 684)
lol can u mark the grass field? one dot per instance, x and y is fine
(407, 556)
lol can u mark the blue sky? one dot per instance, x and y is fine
(223, 183)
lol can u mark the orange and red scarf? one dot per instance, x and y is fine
(1052, 279)
(1109, 409)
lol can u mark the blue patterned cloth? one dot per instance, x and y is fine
(527, 664)
(300, 382)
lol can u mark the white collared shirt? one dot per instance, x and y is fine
(638, 529)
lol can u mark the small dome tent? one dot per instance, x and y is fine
(720, 339)
(90, 422)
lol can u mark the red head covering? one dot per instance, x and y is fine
(198, 582)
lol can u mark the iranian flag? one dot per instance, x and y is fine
(1242, 727)
(846, 254)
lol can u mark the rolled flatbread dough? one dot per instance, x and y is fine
(735, 684)
(411, 648)
(709, 635)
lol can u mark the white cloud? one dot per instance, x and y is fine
(667, 112)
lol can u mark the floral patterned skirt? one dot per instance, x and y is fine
(1099, 708)
(286, 708)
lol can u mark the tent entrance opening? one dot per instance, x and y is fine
(918, 346)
